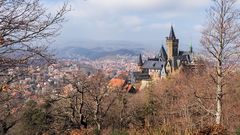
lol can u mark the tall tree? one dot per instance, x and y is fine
(26, 27)
(221, 38)
(100, 99)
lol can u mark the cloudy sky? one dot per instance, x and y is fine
(142, 21)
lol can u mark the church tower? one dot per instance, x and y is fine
(172, 48)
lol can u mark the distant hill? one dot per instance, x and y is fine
(95, 53)
(106, 44)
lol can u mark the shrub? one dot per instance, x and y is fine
(238, 131)
(119, 132)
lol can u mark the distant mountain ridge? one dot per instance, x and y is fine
(95, 53)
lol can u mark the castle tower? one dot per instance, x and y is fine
(172, 48)
(140, 62)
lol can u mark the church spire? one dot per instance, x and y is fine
(140, 62)
(191, 48)
(172, 34)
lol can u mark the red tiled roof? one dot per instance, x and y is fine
(115, 82)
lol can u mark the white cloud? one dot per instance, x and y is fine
(145, 4)
(238, 2)
(107, 7)
(194, 3)
(132, 21)
(159, 26)
(124, 4)
(167, 15)
(131, 18)
(198, 28)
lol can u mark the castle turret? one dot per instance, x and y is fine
(191, 48)
(163, 55)
(140, 62)
(172, 47)
(172, 34)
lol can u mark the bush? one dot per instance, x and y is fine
(213, 130)
(97, 131)
(35, 120)
(238, 131)
(119, 132)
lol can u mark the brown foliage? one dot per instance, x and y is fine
(185, 102)
(212, 130)
(25, 28)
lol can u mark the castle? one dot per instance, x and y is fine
(164, 63)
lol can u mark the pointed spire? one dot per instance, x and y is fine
(140, 62)
(162, 54)
(172, 34)
(191, 48)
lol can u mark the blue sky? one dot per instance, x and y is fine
(142, 21)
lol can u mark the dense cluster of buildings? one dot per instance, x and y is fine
(122, 71)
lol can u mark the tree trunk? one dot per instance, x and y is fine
(96, 118)
(219, 95)
(98, 126)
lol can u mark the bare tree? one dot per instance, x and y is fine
(26, 29)
(85, 101)
(100, 99)
(80, 85)
(68, 107)
(221, 40)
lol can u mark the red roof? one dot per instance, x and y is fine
(115, 82)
